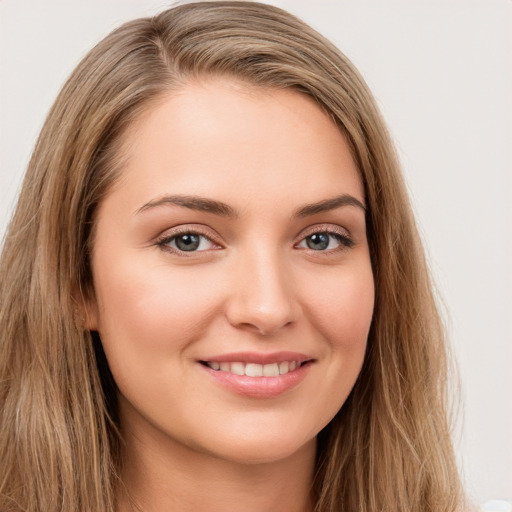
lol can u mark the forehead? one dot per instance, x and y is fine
(259, 140)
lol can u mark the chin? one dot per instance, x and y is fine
(248, 450)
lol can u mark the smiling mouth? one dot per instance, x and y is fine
(255, 369)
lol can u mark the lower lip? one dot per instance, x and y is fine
(259, 387)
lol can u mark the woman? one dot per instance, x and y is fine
(213, 292)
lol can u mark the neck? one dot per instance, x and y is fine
(160, 475)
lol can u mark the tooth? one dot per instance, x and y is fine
(237, 368)
(271, 370)
(283, 367)
(253, 370)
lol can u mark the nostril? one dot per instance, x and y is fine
(271, 330)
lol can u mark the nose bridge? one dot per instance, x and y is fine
(262, 296)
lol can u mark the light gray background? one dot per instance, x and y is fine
(441, 72)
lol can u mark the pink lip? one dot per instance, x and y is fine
(259, 387)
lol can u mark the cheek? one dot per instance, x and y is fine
(342, 309)
(149, 314)
(151, 309)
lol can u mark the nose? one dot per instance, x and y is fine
(262, 296)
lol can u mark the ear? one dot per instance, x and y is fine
(86, 310)
(90, 314)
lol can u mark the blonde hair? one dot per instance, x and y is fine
(388, 448)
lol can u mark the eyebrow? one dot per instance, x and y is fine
(203, 204)
(329, 204)
(197, 203)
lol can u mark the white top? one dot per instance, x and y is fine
(496, 506)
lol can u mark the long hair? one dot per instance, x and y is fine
(387, 449)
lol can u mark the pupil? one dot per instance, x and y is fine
(188, 242)
(318, 241)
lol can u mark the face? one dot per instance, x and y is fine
(232, 277)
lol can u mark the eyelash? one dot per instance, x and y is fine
(167, 239)
(341, 236)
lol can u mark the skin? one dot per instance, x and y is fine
(253, 285)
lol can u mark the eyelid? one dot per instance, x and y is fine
(324, 228)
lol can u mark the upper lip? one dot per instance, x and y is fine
(257, 357)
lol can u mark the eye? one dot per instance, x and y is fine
(187, 242)
(325, 241)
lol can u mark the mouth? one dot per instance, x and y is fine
(274, 369)
(258, 375)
